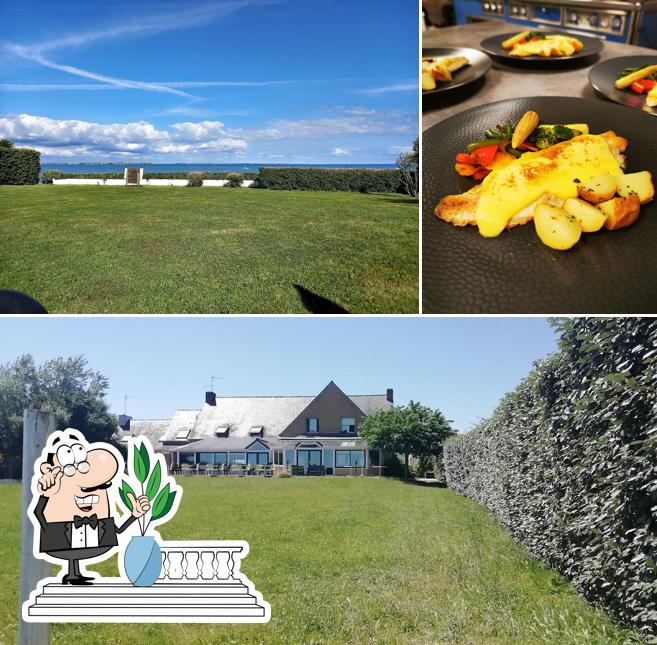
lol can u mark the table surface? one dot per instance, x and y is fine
(505, 81)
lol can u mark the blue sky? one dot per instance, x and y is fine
(460, 365)
(270, 81)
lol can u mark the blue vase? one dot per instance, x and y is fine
(142, 560)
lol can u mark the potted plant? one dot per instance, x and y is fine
(142, 560)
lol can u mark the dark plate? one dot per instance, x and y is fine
(479, 65)
(611, 272)
(493, 46)
(603, 76)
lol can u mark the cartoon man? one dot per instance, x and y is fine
(73, 509)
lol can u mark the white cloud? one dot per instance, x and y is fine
(67, 138)
(190, 15)
(362, 122)
(411, 86)
(339, 152)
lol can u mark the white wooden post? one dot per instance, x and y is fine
(37, 426)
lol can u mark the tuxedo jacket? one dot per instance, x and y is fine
(56, 536)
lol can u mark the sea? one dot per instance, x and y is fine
(193, 167)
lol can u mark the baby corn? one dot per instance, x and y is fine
(525, 127)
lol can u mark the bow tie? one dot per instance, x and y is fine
(92, 521)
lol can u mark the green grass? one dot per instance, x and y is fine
(351, 560)
(89, 249)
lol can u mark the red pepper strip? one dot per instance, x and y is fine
(526, 146)
(486, 155)
(463, 157)
(481, 173)
(647, 84)
(637, 87)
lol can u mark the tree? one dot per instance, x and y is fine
(64, 386)
(5, 143)
(409, 165)
(414, 429)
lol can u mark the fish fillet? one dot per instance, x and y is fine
(461, 210)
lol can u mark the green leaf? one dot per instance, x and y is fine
(154, 482)
(123, 493)
(167, 506)
(140, 467)
(160, 502)
(143, 451)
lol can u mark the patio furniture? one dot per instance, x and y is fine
(186, 469)
(268, 471)
(212, 471)
(316, 471)
(296, 471)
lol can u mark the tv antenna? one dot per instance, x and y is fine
(125, 401)
(214, 378)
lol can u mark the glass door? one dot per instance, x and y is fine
(307, 458)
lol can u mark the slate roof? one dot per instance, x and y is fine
(240, 414)
(213, 444)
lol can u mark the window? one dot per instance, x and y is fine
(237, 458)
(187, 458)
(278, 457)
(261, 458)
(289, 458)
(328, 457)
(206, 458)
(256, 431)
(183, 434)
(221, 432)
(349, 458)
(348, 425)
(313, 425)
(220, 458)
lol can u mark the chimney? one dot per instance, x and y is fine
(389, 395)
(124, 422)
(211, 398)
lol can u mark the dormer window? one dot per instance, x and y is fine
(256, 431)
(313, 425)
(221, 432)
(183, 434)
(348, 425)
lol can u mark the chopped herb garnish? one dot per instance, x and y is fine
(577, 181)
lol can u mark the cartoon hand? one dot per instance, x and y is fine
(50, 480)
(140, 505)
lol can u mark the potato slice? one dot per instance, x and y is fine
(590, 218)
(621, 211)
(428, 82)
(599, 189)
(556, 228)
(639, 183)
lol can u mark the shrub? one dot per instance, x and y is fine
(568, 463)
(49, 175)
(195, 179)
(234, 180)
(184, 175)
(19, 166)
(330, 179)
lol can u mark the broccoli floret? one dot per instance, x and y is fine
(546, 136)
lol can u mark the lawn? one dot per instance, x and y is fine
(90, 249)
(351, 560)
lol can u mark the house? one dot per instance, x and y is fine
(285, 431)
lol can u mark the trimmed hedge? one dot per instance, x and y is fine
(568, 463)
(49, 175)
(331, 179)
(19, 166)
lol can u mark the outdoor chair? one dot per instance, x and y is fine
(212, 471)
(268, 471)
(297, 471)
(185, 469)
(316, 471)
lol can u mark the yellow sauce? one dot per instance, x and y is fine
(506, 191)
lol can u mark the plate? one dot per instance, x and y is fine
(479, 65)
(603, 75)
(607, 272)
(493, 47)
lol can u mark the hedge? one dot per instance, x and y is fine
(19, 166)
(331, 179)
(568, 463)
(49, 175)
